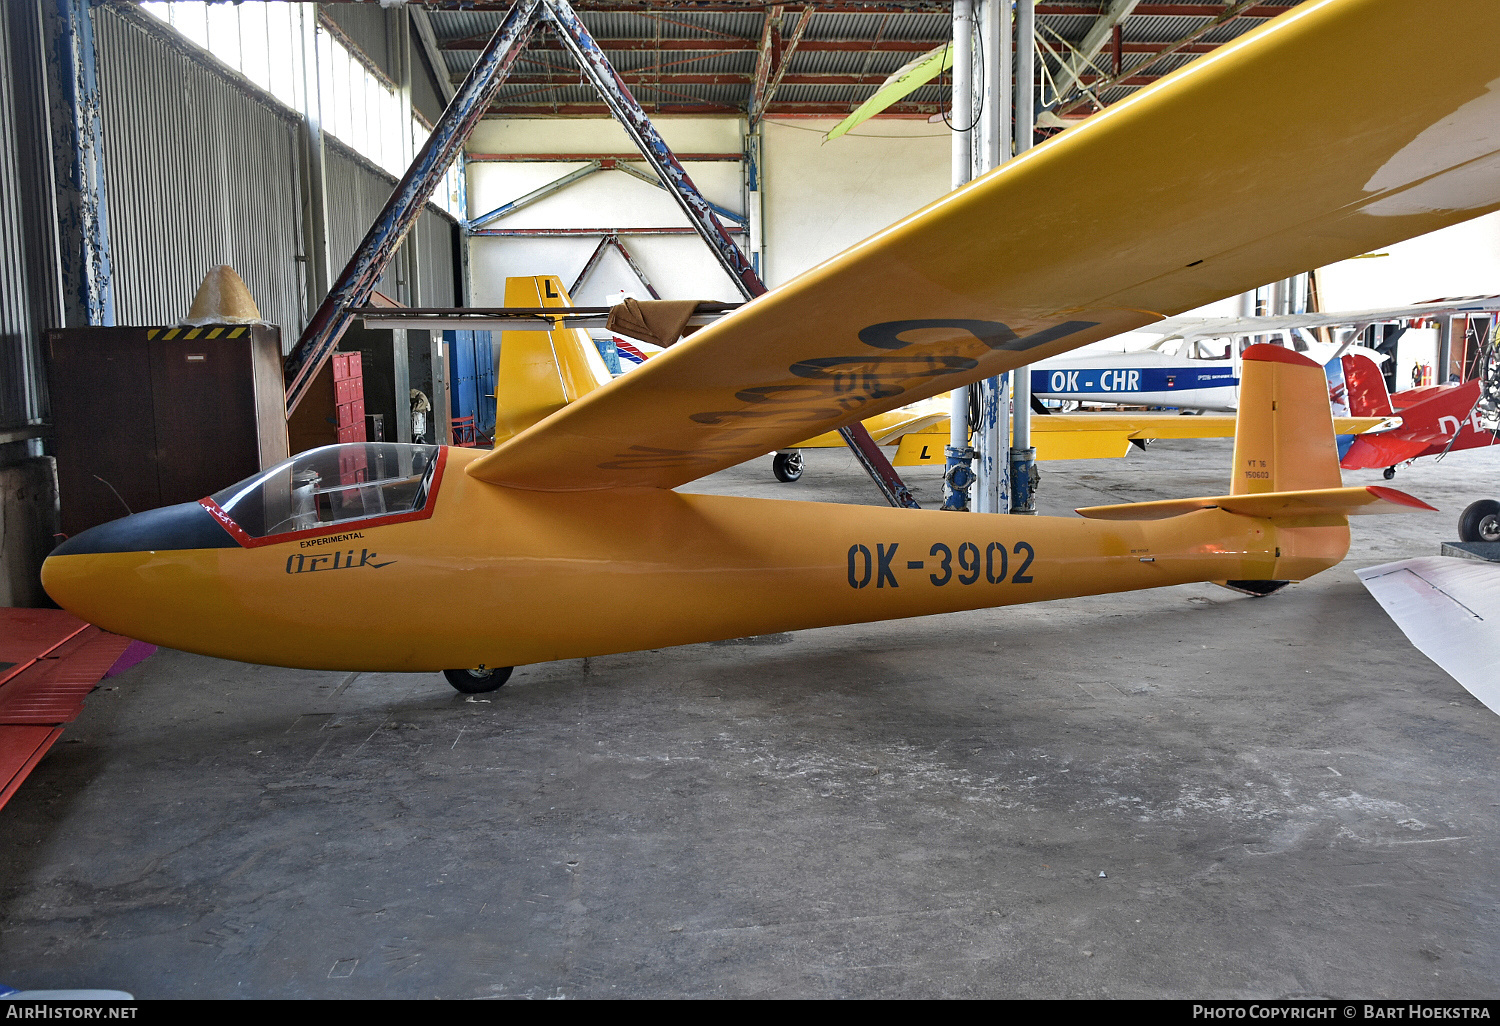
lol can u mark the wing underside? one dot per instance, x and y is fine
(1211, 182)
(1447, 607)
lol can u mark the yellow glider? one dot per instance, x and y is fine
(1175, 197)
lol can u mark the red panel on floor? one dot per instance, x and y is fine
(28, 634)
(21, 748)
(49, 662)
(52, 689)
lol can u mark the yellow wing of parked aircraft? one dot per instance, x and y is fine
(1173, 198)
(1089, 436)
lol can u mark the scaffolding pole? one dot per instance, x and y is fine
(958, 475)
(1023, 472)
(993, 495)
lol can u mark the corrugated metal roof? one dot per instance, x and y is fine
(741, 62)
(847, 63)
(921, 30)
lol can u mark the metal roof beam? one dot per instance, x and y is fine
(708, 6)
(423, 25)
(651, 78)
(812, 110)
(769, 52)
(942, 7)
(717, 44)
(1093, 41)
(1228, 13)
(805, 45)
(1168, 10)
(570, 158)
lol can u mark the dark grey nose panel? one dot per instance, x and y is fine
(185, 526)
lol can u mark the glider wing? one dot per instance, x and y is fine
(1111, 225)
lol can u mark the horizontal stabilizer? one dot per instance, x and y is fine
(1448, 608)
(1271, 505)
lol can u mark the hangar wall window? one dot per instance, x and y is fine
(360, 106)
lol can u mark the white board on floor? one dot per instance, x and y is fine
(1450, 610)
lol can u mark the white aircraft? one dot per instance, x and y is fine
(1195, 365)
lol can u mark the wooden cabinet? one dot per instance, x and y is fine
(149, 417)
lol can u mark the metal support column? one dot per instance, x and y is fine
(1445, 351)
(622, 104)
(755, 195)
(1023, 470)
(78, 155)
(958, 476)
(993, 495)
(405, 205)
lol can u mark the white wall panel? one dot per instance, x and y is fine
(681, 267)
(820, 199)
(823, 198)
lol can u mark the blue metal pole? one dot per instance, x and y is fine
(78, 131)
(354, 285)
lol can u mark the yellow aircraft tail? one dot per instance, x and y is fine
(1286, 472)
(1283, 439)
(540, 372)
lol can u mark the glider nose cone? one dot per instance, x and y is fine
(185, 526)
(104, 575)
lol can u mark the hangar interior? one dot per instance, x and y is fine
(1169, 793)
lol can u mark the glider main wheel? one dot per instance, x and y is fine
(787, 466)
(1388, 473)
(477, 682)
(1480, 522)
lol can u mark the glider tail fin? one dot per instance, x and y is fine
(1283, 439)
(540, 372)
(1286, 474)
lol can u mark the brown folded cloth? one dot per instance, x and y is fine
(658, 321)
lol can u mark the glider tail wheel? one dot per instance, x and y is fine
(477, 682)
(787, 466)
(1480, 522)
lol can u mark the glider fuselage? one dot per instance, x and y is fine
(498, 577)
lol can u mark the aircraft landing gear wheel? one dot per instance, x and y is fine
(787, 466)
(1388, 473)
(477, 682)
(1480, 522)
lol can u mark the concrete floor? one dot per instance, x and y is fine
(1176, 793)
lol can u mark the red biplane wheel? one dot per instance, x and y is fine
(1388, 473)
(477, 682)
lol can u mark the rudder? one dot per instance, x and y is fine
(1283, 440)
(1368, 396)
(540, 372)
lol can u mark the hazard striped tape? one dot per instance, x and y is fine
(170, 333)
